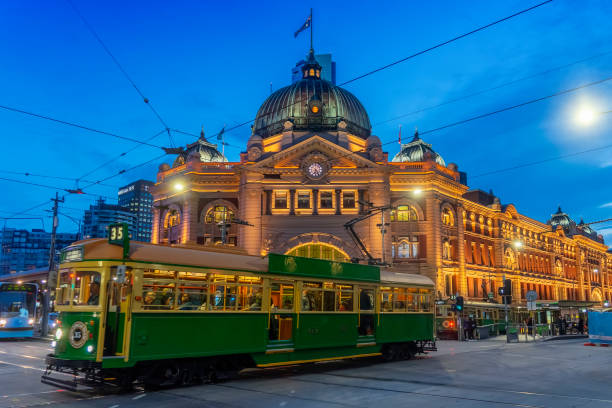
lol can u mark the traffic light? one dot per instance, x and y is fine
(506, 292)
(459, 303)
(508, 287)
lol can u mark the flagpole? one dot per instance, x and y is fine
(311, 29)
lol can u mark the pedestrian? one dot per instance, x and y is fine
(530, 326)
(472, 325)
(581, 325)
(563, 326)
(466, 329)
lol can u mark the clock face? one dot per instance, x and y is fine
(315, 170)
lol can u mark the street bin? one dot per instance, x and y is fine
(483, 332)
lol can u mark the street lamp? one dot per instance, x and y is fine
(179, 186)
(586, 116)
(417, 191)
(517, 244)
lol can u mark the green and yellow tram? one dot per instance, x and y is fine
(170, 315)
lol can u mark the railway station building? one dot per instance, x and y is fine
(312, 165)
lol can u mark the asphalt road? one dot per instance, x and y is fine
(475, 374)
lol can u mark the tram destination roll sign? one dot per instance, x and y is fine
(118, 235)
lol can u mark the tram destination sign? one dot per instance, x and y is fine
(118, 235)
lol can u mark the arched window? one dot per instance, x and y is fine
(510, 259)
(406, 248)
(447, 217)
(219, 213)
(404, 213)
(319, 251)
(172, 219)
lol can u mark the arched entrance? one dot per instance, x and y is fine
(319, 250)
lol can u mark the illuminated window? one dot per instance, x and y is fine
(406, 248)
(219, 213)
(311, 72)
(318, 73)
(326, 199)
(404, 213)
(348, 199)
(315, 109)
(303, 199)
(447, 217)
(280, 199)
(319, 251)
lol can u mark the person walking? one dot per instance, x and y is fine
(581, 325)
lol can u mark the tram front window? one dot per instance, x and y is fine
(86, 288)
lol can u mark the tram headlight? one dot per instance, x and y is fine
(2, 323)
(90, 348)
(58, 334)
(31, 322)
(53, 343)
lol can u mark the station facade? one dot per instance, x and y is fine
(311, 165)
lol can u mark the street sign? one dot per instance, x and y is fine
(440, 302)
(531, 305)
(531, 296)
(491, 295)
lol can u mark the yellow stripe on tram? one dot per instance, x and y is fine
(282, 363)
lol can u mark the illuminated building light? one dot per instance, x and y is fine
(178, 187)
(417, 191)
(517, 244)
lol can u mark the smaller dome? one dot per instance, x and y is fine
(562, 219)
(206, 151)
(417, 151)
(373, 141)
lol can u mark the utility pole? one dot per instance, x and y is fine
(383, 231)
(51, 273)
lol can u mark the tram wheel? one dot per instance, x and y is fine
(390, 352)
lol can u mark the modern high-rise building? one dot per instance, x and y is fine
(99, 216)
(23, 250)
(328, 69)
(137, 198)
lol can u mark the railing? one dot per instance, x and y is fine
(519, 333)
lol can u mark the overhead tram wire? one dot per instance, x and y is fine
(405, 58)
(445, 43)
(517, 106)
(28, 174)
(117, 157)
(471, 95)
(51, 187)
(123, 71)
(566, 91)
(534, 163)
(79, 126)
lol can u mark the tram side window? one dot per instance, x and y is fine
(386, 299)
(424, 300)
(64, 283)
(86, 288)
(192, 291)
(344, 299)
(399, 299)
(223, 292)
(412, 300)
(158, 289)
(281, 297)
(312, 297)
(328, 297)
(249, 293)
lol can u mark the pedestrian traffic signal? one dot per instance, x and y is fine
(459, 303)
(507, 287)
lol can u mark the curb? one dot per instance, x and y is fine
(597, 344)
(567, 337)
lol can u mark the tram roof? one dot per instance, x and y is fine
(406, 278)
(100, 249)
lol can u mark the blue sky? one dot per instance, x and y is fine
(211, 63)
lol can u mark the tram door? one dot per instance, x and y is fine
(118, 312)
(367, 321)
(281, 311)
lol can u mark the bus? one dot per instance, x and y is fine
(168, 315)
(17, 309)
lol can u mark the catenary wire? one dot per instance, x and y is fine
(79, 126)
(404, 59)
(471, 95)
(28, 174)
(123, 71)
(444, 43)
